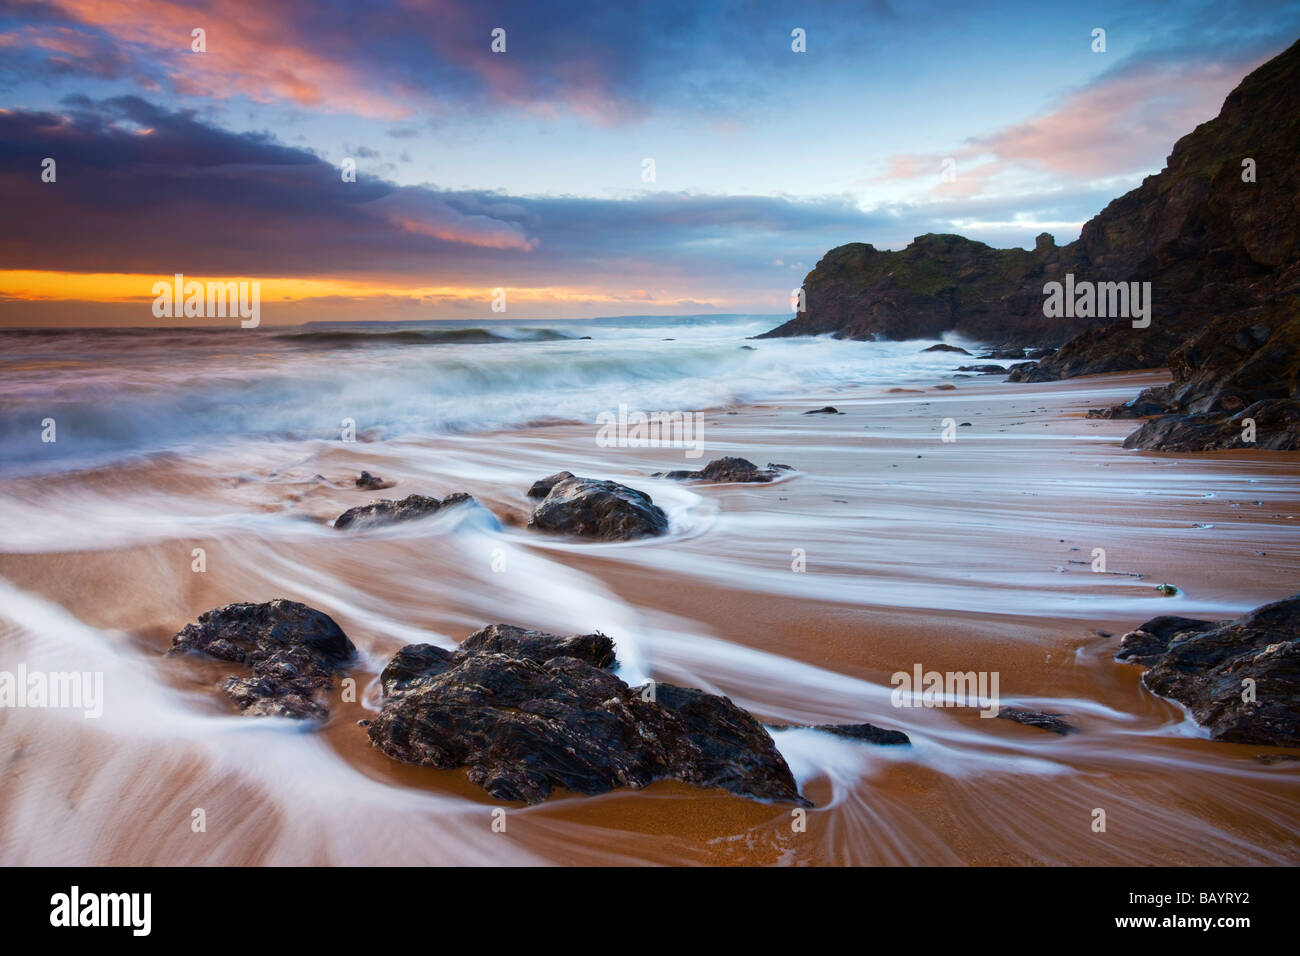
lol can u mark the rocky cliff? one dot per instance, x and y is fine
(1216, 233)
(939, 283)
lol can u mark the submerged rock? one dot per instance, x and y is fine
(528, 712)
(941, 347)
(1039, 719)
(868, 733)
(728, 469)
(387, 512)
(592, 508)
(1239, 678)
(371, 482)
(984, 369)
(292, 650)
(824, 410)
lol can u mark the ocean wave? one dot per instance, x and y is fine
(158, 390)
(355, 338)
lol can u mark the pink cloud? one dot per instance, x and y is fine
(1123, 123)
(422, 214)
(277, 52)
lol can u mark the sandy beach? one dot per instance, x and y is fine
(973, 554)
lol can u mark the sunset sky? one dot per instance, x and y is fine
(524, 170)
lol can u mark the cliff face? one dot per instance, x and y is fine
(1210, 243)
(939, 283)
(1236, 385)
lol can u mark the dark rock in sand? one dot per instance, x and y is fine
(1039, 719)
(596, 649)
(1155, 400)
(386, 512)
(292, 650)
(941, 347)
(542, 486)
(412, 667)
(1149, 642)
(529, 712)
(1203, 665)
(824, 410)
(591, 508)
(371, 482)
(984, 369)
(728, 469)
(1277, 428)
(868, 733)
(1243, 364)
(1030, 372)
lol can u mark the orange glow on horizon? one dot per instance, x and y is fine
(107, 287)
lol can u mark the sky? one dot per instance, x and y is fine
(674, 157)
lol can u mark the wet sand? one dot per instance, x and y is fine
(974, 554)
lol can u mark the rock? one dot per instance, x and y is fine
(1006, 353)
(1030, 372)
(945, 387)
(983, 369)
(591, 508)
(529, 712)
(941, 347)
(868, 733)
(1150, 641)
(1205, 666)
(1244, 364)
(372, 482)
(1039, 719)
(596, 649)
(824, 410)
(1150, 401)
(542, 486)
(728, 469)
(938, 284)
(292, 650)
(387, 512)
(1277, 428)
(412, 667)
